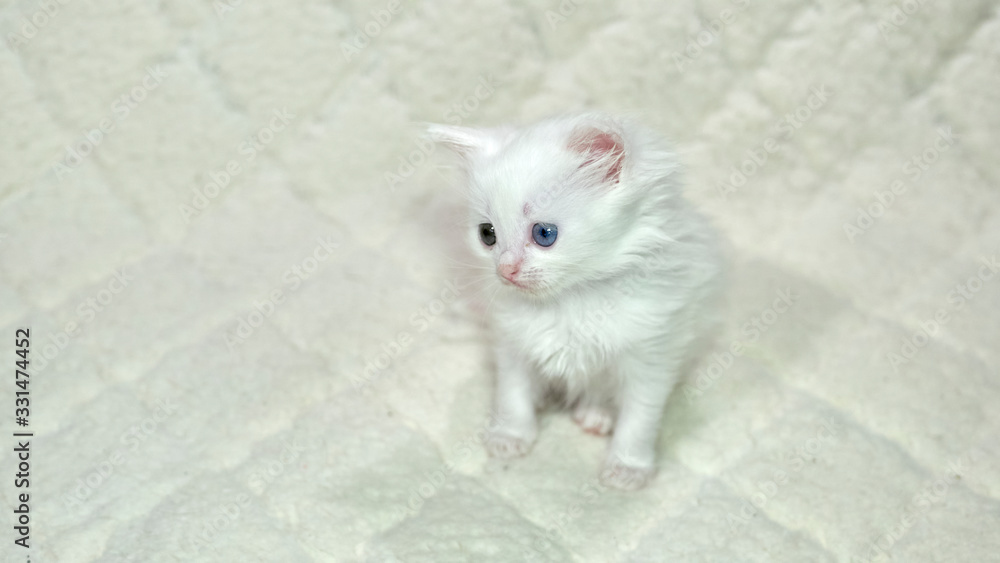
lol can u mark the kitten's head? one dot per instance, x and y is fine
(552, 205)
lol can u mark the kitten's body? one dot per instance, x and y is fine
(610, 311)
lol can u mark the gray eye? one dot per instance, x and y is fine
(544, 233)
(487, 235)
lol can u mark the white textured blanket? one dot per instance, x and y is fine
(246, 342)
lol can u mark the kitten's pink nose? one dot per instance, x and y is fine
(509, 266)
(509, 271)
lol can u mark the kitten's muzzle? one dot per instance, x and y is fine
(509, 269)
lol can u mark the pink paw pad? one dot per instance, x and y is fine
(594, 420)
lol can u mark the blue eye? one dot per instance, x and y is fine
(544, 233)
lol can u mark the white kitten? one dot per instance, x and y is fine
(604, 276)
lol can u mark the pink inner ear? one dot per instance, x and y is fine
(601, 145)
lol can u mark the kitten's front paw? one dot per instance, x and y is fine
(594, 420)
(505, 446)
(617, 474)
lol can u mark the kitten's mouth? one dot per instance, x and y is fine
(517, 284)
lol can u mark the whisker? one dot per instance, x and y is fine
(495, 293)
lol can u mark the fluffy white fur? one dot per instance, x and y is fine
(608, 316)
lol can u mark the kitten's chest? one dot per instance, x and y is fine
(573, 340)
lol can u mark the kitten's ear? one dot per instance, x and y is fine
(466, 142)
(604, 149)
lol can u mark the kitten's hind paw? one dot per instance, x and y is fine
(594, 420)
(625, 477)
(506, 446)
